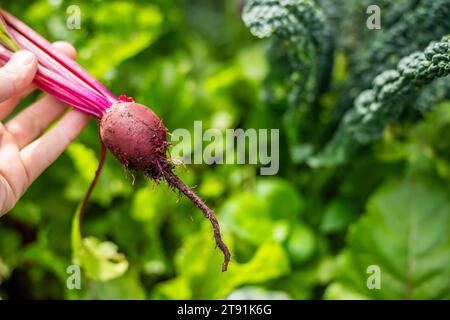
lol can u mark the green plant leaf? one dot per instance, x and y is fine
(301, 243)
(405, 233)
(138, 28)
(263, 213)
(200, 277)
(100, 260)
(337, 216)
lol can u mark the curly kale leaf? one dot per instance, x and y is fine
(416, 24)
(294, 20)
(298, 30)
(431, 95)
(300, 58)
(376, 108)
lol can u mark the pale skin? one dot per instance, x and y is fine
(27, 148)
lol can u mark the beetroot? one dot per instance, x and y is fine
(137, 137)
(132, 132)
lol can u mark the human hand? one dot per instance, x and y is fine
(24, 151)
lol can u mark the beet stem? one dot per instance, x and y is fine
(92, 186)
(175, 182)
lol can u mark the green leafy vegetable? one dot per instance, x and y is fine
(420, 23)
(376, 108)
(405, 234)
(297, 53)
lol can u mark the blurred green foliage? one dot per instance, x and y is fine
(307, 233)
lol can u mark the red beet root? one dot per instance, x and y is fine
(137, 137)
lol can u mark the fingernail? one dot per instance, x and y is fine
(22, 58)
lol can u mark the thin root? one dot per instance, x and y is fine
(175, 182)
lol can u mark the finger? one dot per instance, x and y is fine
(17, 74)
(8, 106)
(13, 183)
(65, 48)
(42, 152)
(32, 121)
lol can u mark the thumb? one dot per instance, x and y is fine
(17, 74)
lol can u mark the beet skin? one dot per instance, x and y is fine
(136, 136)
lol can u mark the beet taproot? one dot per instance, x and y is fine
(138, 139)
(135, 136)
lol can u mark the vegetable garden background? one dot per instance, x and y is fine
(364, 121)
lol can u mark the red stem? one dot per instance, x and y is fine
(53, 84)
(64, 78)
(66, 62)
(92, 186)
